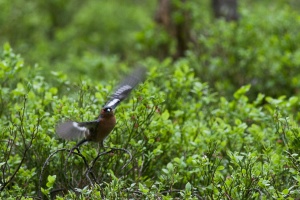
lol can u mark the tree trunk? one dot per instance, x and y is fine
(225, 9)
(177, 29)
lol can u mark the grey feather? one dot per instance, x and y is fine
(126, 86)
(72, 130)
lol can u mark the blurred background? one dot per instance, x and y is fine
(227, 43)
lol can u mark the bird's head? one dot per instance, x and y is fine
(107, 112)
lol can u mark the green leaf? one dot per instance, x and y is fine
(51, 180)
(188, 186)
(165, 115)
(242, 91)
(143, 189)
(44, 191)
(220, 168)
(285, 191)
(170, 167)
(292, 101)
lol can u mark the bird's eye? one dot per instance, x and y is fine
(107, 109)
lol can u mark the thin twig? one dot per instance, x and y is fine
(44, 165)
(89, 171)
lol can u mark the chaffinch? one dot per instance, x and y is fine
(99, 129)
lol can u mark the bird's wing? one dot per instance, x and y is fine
(71, 130)
(126, 87)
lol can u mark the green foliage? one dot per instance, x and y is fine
(93, 38)
(223, 122)
(49, 184)
(261, 49)
(175, 138)
(84, 38)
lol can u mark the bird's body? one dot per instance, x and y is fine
(106, 124)
(98, 130)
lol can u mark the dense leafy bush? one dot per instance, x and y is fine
(84, 38)
(260, 50)
(222, 122)
(175, 137)
(87, 39)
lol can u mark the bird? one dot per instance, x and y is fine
(97, 130)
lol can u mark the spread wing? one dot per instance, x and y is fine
(126, 86)
(71, 130)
